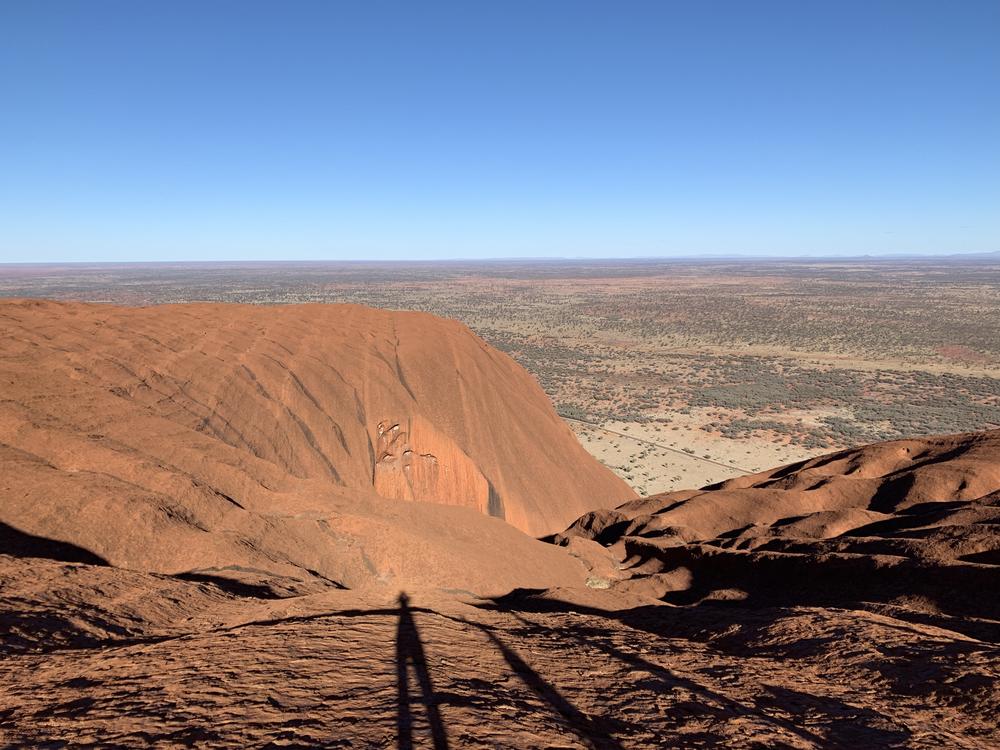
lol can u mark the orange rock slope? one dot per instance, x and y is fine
(845, 602)
(317, 438)
(912, 523)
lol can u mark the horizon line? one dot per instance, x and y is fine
(519, 259)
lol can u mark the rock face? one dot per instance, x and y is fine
(318, 438)
(849, 601)
(903, 521)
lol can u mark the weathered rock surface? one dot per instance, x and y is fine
(909, 521)
(331, 441)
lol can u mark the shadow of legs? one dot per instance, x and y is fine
(410, 653)
(588, 729)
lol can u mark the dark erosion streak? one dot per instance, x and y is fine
(494, 505)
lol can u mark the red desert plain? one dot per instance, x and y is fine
(316, 526)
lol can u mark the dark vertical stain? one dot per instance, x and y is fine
(371, 454)
(360, 408)
(402, 378)
(494, 504)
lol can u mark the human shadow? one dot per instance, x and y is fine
(410, 654)
(595, 731)
(17, 543)
(704, 625)
(709, 702)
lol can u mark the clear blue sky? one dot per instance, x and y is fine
(297, 130)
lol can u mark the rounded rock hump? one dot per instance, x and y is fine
(904, 520)
(190, 436)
